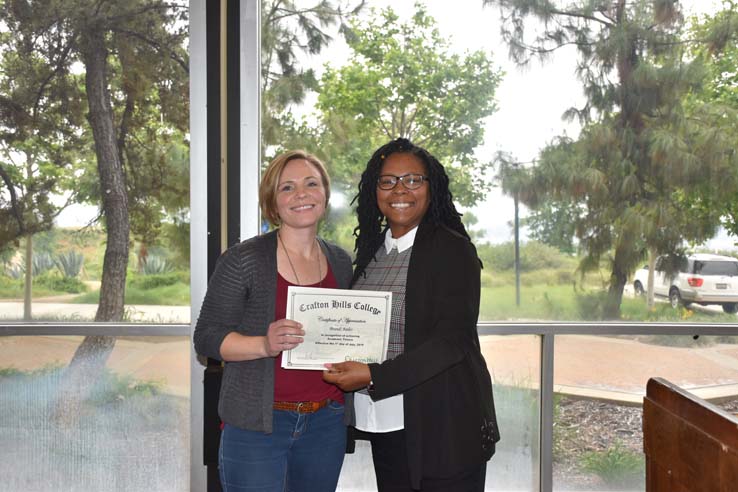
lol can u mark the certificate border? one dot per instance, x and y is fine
(294, 291)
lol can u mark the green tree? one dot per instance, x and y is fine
(38, 134)
(553, 225)
(289, 30)
(40, 138)
(470, 222)
(637, 152)
(720, 54)
(401, 81)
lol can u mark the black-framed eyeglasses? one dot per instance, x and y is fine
(409, 181)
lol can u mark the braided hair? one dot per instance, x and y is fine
(372, 224)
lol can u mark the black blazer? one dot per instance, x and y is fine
(442, 374)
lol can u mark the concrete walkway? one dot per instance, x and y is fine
(61, 311)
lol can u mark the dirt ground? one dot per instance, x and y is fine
(613, 368)
(162, 359)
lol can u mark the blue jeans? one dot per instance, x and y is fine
(304, 453)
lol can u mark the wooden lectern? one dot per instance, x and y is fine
(690, 444)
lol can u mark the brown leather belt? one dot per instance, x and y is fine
(301, 406)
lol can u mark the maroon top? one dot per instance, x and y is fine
(298, 384)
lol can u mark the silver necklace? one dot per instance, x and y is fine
(289, 260)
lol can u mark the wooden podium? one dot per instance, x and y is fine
(690, 444)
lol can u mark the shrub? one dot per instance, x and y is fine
(153, 281)
(177, 235)
(536, 256)
(553, 309)
(11, 287)
(112, 388)
(616, 466)
(547, 276)
(486, 279)
(69, 263)
(47, 369)
(70, 285)
(589, 304)
(533, 256)
(564, 277)
(6, 372)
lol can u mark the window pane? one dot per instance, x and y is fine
(551, 277)
(357, 473)
(600, 384)
(92, 195)
(130, 430)
(513, 362)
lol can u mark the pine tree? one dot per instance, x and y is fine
(288, 30)
(639, 151)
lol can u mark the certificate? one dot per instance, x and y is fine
(339, 325)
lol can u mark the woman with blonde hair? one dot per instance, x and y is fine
(282, 429)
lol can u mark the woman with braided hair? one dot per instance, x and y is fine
(427, 410)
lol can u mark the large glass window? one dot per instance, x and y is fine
(94, 226)
(579, 171)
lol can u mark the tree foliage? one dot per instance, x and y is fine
(130, 95)
(553, 225)
(149, 76)
(402, 81)
(639, 150)
(41, 121)
(720, 55)
(290, 30)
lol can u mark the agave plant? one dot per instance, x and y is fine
(42, 262)
(156, 264)
(69, 263)
(14, 270)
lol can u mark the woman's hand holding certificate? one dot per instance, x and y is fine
(339, 325)
(349, 376)
(283, 334)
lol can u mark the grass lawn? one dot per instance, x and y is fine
(564, 303)
(538, 302)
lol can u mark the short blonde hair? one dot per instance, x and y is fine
(270, 181)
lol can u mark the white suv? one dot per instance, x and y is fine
(703, 279)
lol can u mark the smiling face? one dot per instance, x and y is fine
(301, 196)
(403, 208)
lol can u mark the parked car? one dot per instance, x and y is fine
(702, 279)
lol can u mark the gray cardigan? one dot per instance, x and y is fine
(241, 298)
